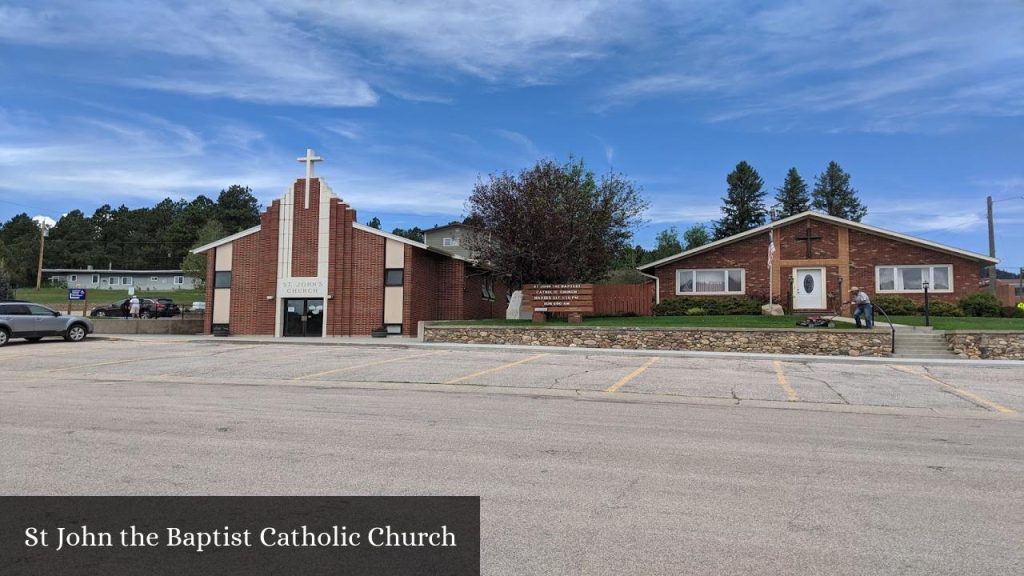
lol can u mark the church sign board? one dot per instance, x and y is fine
(564, 298)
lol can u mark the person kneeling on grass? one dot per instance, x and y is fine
(864, 308)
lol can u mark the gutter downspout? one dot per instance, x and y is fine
(657, 286)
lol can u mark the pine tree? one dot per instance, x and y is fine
(792, 196)
(744, 202)
(834, 196)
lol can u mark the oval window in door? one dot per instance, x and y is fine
(808, 284)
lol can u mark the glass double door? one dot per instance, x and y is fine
(303, 317)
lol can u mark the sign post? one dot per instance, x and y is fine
(76, 295)
(572, 299)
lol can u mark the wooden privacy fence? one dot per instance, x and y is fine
(620, 299)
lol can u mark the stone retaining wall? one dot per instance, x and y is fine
(987, 345)
(152, 326)
(821, 342)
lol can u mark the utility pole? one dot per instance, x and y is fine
(42, 244)
(991, 249)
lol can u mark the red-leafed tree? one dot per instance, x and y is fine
(553, 223)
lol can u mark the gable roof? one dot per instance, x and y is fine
(225, 240)
(405, 240)
(826, 218)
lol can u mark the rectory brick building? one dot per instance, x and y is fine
(817, 259)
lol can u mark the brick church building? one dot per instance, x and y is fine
(310, 269)
(817, 259)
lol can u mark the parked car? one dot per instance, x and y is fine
(166, 308)
(34, 322)
(148, 308)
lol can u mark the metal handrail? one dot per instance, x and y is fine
(891, 327)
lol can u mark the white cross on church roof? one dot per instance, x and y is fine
(309, 159)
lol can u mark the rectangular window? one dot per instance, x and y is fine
(73, 278)
(912, 278)
(393, 328)
(714, 281)
(179, 280)
(450, 242)
(222, 279)
(127, 280)
(114, 280)
(95, 278)
(394, 277)
(154, 279)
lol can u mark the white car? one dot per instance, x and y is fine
(34, 322)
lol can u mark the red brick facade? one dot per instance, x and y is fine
(436, 286)
(849, 255)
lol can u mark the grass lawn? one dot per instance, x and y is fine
(659, 321)
(945, 323)
(57, 296)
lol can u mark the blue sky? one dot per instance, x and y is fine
(922, 101)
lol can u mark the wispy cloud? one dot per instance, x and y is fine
(848, 66)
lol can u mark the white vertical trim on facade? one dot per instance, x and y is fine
(284, 252)
(394, 296)
(323, 248)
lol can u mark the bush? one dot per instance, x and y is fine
(711, 306)
(981, 304)
(1011, 312)
(696, 312)
(940, 308)
(896, 305)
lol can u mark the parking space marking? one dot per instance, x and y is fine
(969, 396)
(93, 365)
(366, 365)
(780, 375)
(628, 377)
(490, 370)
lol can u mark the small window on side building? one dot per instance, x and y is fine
(394, 277)
(222, 279)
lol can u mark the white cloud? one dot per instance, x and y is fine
(905, 66)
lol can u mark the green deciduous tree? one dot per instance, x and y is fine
(695, 236)
(554, 222)
(834, 196)
(374, 223)
(792, 196)
(194, 265)
(666, 243)
(743, 206)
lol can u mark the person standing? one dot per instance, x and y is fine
(134, 306)
(864, 308)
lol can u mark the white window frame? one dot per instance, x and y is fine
(115, 280)
(95, 279)
(743, 281)
(73, 278)
(450, 242)
(898, 279)
(127, 281)
(179, 280)
(154, 278)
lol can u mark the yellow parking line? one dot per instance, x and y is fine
(96, 364)
(780, 374)
(489, 370)
(626, 379)
(366, 365)
(969, 396)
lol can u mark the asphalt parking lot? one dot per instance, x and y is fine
(953, 390)
(585, 463)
